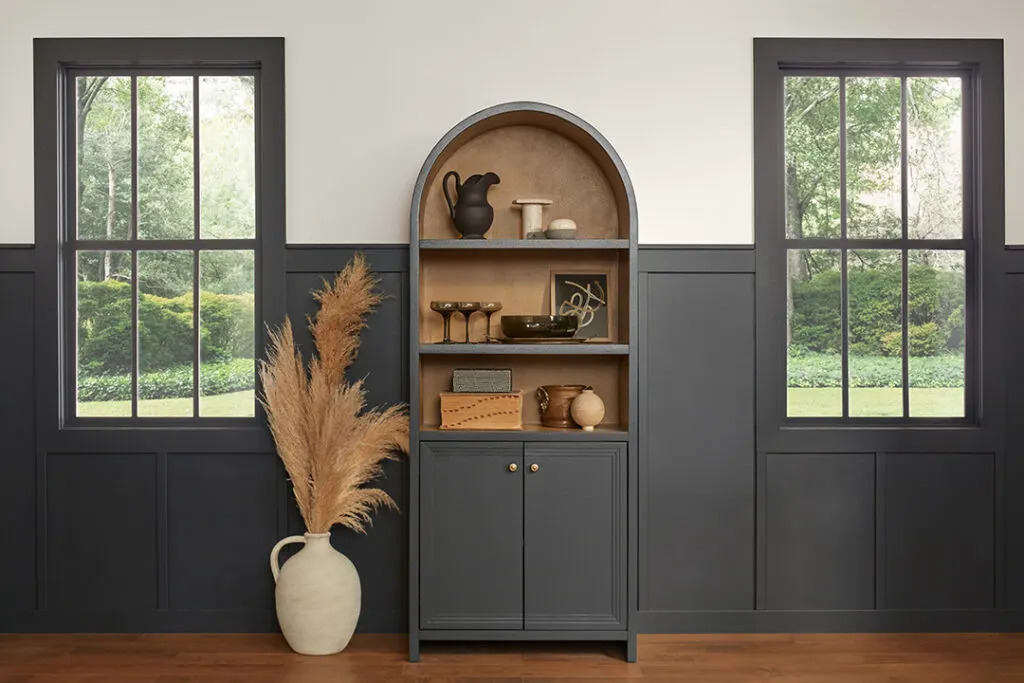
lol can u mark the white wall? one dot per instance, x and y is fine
(372, 84)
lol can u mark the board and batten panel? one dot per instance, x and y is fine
(819, 531)
(381, 555)
(17, 456)
(1014, 442)
(697, 455)
(101, 531)
(939, 531)
(222, 523)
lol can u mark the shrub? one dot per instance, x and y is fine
(226, 328)
(923, 340)
(215, 378)
(935, 307)
(817, 370)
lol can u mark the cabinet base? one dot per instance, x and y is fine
(524, 636)
(628, 639)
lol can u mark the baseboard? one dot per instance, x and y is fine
(832, 621)
(172, 621)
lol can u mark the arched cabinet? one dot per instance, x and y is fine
(527, 533)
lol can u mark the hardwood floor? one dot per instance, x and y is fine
(946, 658)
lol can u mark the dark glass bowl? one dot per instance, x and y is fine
(539, 326)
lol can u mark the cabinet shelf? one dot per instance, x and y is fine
(482, 349)
(549, 245)
(609, 432)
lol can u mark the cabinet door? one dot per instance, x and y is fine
(471, 536)
(575, 536)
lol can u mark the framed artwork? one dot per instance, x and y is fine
(585, 294)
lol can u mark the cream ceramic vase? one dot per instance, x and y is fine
(587, 410)
(318, 596)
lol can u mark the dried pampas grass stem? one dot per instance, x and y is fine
(331, 445)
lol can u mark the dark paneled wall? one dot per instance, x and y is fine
(17, 466)
(174, 535)
(697, 441)
(155, 537)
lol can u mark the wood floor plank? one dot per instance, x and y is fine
(755, 658)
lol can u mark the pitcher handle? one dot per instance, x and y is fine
(274, 566)
(447, 197)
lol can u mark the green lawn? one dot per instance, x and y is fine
(237, 404)
(876, 402)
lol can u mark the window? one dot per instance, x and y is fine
(171, 217)
(165, 245)
(870, 188)
(878, 246)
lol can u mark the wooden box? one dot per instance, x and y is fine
(482, 411)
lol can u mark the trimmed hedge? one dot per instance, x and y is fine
(935, 321)
(818, 370)
(214, 378)
(226, 329)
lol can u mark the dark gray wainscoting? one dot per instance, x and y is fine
(129, 532)
(162, 531)
(382, 554)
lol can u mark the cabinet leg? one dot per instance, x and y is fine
(631, 648)
(414, 648)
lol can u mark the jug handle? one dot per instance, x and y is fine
(458, 188)
(274, 566)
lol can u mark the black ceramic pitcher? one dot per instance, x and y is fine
(470, 212)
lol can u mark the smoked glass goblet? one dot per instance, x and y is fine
(467, 309)
(446, 309)
(489, 308)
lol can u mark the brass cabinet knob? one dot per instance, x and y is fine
(512, 467)
(534, 467)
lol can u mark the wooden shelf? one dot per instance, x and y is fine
(482, 349)
(527, 433)
(525, 244)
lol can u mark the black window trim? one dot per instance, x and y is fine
(56, 61)
(981, 64)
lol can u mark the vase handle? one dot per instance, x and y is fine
(274, 566)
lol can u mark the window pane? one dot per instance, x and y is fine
(934, 158)
(814, 377)
(104, 348)
(165, 333)
(875, 291)
(227, 160)
(812, 157)
(936, 289)
(227, 368)
(873, 152)
(104, 134)
(165, 157)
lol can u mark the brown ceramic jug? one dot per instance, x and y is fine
(555, 403)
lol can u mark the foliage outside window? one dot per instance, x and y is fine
(164, 245)
(878, 245)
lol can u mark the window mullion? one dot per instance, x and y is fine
(843, 294)
(134, 238)
(904, 213)
(195, 254)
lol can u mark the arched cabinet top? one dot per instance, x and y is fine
(538, 150)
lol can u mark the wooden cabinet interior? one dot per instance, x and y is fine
(520, 280)
(532, 161)
(607, 374)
